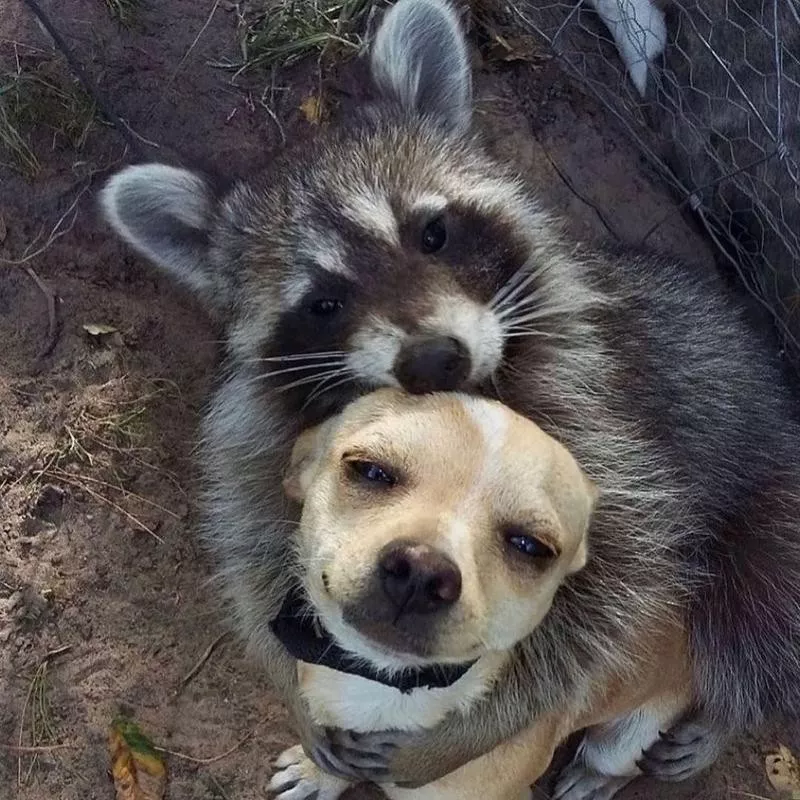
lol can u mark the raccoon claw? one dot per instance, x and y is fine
(682, 752)
(364, 756)
(579, 783)
(299, 778)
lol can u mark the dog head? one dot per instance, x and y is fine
(436, 528)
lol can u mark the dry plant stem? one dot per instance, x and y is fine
(21, 749)
(52, 317)
(211, 760)
(97, 496)
(15, 748)
(201, 662)
(59, 42)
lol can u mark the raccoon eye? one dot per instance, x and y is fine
(434, 236)
(371, 472)
(325, 307)
(526, 544)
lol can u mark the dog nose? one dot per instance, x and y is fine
(432, 364)
(418, 578)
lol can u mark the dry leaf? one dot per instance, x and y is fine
(98, 329)
(313, 109)
(138, 771)
(515, 48)
(783, 772)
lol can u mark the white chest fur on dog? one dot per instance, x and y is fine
(339, 699)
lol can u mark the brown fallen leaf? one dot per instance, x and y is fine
(98, 329)
(516, 48)
(313, 109)
(783, 772)
(138, 771)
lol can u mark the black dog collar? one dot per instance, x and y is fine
(306, 641)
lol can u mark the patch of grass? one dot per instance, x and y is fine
(41, 97)
(37, 727)
(279, 33)
(123, 11)
(104, 445)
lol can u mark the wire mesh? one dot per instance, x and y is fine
(719, 117)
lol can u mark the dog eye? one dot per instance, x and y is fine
(371, 472)
(526, 544)
(325, 307)
(434, 236)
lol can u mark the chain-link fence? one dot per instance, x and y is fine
(718, 114)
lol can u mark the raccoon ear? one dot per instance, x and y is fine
(419, 58)
(165, 214)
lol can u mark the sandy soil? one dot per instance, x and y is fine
(104, 600)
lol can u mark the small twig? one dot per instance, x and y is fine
(103, 499)
(193, 44)
(59, 651)
(201, 661)
(571, 186)
(60, 474)
(20, 748)
(218, 787)
(36, 9)
(55, 233)
(52, 317)
(211, 760)
(15, 748)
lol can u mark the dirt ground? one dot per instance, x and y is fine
(104, 595)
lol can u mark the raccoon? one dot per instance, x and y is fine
(395, 251)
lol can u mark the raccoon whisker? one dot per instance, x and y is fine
(522, 275)
(546, 312)
(301, 367)
(534, 333)
(521, 307)
(310, 379)
(515, 285)
(299, 356)
(321, 389)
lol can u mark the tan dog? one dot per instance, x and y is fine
(435, 533)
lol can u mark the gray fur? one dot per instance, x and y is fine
(164, 212)
(419, 57)
(644, 368)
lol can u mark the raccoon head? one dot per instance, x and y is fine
(391, 251)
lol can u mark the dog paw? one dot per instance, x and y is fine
(688, 748)
(578, 782)
(299, 778)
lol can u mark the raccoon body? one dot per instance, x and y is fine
(397, 252)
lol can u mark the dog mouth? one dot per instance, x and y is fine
(298, 629)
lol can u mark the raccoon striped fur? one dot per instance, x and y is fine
(396, 251)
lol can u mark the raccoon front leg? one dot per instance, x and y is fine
(690, 746)
(608, 757)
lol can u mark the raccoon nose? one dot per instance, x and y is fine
(418, 578)
(432, 364)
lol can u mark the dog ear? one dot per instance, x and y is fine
(419, 59)
(306, 454)
(165, 213)
(590, 494)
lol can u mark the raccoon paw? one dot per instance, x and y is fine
(685, 750)
(579, 782)
(299, 778)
